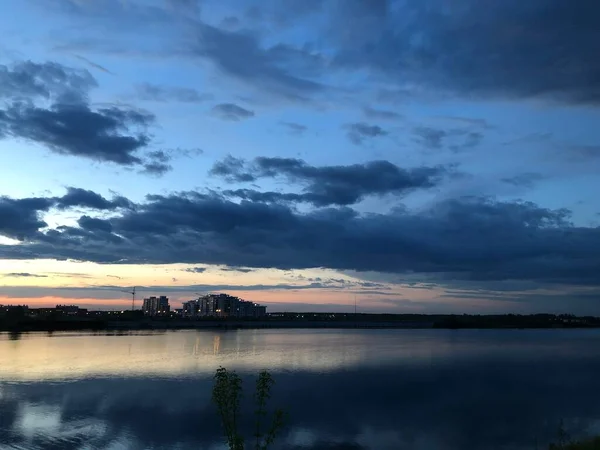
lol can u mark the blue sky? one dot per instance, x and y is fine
(424, 156)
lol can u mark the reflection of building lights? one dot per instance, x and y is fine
(216, 344)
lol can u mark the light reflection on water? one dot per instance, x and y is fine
(379, 389)
(66, 356)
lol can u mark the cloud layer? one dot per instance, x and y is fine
(469, 239)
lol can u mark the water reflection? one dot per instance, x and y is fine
(381, 390)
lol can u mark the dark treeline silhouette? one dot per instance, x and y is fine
(19, 318)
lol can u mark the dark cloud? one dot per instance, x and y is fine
(230, 111)
(470, 239)
(159, 156)
(267, 197)
(294, 128)
(26, 79)
(20, 219)
(510, 50)
(328, 185)
(154, 168)
(157, 93)
(93, 224)
(359, 131)
(195, 270)
(157, 168)
(106, 134)
(69, 125)
(372, 113)
(276, 69)
(24, 275)
(232, 169)
(456, 139)
(236, 269)
(77, 197)
(158, 162)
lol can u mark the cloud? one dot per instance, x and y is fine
(195, 270)
(294, 128)
(20, 219)
(513, 50)
(539, 49)
(156, 168)
(456, 139)
(470, 239)
(381, 114)
(584, 153)
(232, 169)
(430, 137)
(327, 185)
(236, 269)
(26, 80)
(90, 199)
(230, 111)
(157, 163)
(94, 224)
(24, 275)
(158, 93)
(69, 125)
(276, 69)
(527, 179)
(358, 132)
(112, 292)
(106, 135)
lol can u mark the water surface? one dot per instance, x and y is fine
(343, 389)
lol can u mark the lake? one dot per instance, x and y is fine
(342, 389)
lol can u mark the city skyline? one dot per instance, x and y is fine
(441, 158)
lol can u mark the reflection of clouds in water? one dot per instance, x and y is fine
(485, 390)
(38, 419)
(450, 406)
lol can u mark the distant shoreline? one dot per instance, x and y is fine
(418, 322)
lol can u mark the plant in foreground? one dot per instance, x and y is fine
(227, 394)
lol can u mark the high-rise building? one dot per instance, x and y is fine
(223, 305)
(154, 306)
(191, 308)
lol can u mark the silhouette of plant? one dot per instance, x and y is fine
(227, 394)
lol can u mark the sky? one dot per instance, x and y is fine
(413, 156)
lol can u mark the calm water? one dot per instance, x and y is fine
(343, 389)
